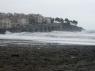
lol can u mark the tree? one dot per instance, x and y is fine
(57, 19)
(52, 20)
(75, 22)
(32, 20)
(67, 21)
(61, 20)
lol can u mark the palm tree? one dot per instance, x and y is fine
(52, 20)
(67, 21)
(57, 19)
(75, 22)
(61, 20)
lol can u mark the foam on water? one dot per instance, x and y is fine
(60, 37)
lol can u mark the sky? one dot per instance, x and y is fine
(81, 10)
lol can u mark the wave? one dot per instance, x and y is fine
(60, 37)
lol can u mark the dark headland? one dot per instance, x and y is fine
(19, 22)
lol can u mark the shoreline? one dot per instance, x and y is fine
(33, 41)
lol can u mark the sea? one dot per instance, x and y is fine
(54, 37)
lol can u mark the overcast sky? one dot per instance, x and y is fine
(81, 10)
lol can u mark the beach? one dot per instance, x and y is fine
(34, 54)
(47, 58)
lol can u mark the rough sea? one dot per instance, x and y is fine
(56, 37)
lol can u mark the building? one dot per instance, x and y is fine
(5, 23)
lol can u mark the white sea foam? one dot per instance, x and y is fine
(60, 37)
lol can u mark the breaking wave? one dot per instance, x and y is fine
(60, 37)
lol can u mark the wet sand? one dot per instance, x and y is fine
(47, 57)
